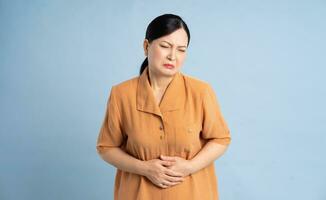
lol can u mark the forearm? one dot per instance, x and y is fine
(123, 161)
(208, 154)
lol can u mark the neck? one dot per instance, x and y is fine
(158, 83)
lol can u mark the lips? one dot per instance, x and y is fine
(169, 66)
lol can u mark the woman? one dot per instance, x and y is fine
(163, 129)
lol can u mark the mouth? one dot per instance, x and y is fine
(169, 66)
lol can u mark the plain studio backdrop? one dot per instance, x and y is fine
(264, 59)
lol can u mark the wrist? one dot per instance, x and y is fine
(192, 166)
(142, 168)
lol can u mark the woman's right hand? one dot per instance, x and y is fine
(158, 173)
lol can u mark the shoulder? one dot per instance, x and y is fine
(124, 90)
(126, 85)
(196, 85)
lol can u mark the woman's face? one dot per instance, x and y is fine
(169, 49)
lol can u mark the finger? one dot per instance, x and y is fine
(162, 185)
(173, 173)
(167, 163)
(174, 179)
(168, 158)
(168, 183)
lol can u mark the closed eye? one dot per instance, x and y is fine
(181, 50)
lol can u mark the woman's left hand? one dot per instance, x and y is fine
(180, 165)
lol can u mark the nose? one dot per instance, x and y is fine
(172, 55)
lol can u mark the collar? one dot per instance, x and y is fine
(173, 97)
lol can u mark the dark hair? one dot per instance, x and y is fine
(161, 26)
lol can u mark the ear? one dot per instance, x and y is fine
(145, 46)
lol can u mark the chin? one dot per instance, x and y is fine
(169, 72)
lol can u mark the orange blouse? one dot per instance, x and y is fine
(187, 117)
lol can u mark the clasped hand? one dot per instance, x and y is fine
(167, 171)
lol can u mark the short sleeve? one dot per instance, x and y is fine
(110, 134)
(215, 128)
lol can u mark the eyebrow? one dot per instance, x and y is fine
(171, 44)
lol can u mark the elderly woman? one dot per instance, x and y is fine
(163, 129)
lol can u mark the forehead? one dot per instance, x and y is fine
(178, 37)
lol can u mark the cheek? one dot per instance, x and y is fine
(182, 57)
(157, 57)
(161, 53)
(157, 54)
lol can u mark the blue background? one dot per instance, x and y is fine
(265, 60)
